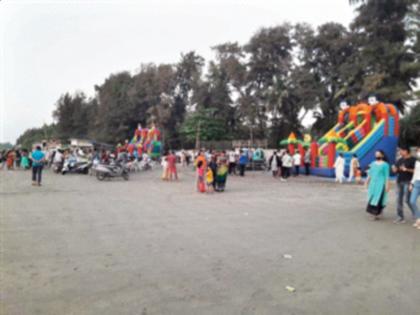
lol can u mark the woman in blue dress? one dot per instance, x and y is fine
(378, 185)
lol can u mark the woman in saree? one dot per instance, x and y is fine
(221, 173)
(378, 185)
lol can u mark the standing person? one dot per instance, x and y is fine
(243, 161)
(232, 162)
(2, 159)
(354, 166)
(404, 168)
(297, 160)
(307, 161)
(221, 176)
(183, 158)
(287, 162)
(200, 177)
(274, 164)
(38, 159)
(339, 168)
(201, 158)
(210, 180)
(165, 168)
(10, 160)
(18, 158)
(415, 190)
(173, 174)
(378, 185)
(24, 163)
(213, 166)
(358, 177)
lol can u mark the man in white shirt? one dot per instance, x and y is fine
(287, 163)
(297, 160)
(232, 162)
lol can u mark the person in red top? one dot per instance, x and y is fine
(171, 159)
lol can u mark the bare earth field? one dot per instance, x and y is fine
(79, 246)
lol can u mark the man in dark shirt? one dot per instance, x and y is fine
(404, 168)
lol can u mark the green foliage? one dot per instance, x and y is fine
(36, 135)
(203, 125)
(410, 127)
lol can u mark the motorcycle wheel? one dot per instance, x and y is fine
(125, 175)
(100, 176)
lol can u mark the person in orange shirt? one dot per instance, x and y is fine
(201, 157)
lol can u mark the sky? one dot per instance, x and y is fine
(48, 48)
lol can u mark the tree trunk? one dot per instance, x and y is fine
(197, 137)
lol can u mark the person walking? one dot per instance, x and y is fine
(297, 161)
(339, 168)
(404, 168)
(243, 161)
(38, 160)
(307, 162)
(415, 190)
(354, 166)
(378, 185)
(287, 163)
(274, 164)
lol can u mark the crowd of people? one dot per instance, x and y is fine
(283, 164)
(213, 167)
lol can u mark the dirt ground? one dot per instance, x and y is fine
(79, 246)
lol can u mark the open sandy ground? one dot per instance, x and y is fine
(79, 246)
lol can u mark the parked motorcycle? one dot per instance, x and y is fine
(104, 171)
(76, 166)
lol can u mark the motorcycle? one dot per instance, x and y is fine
(76, 166)
(104, 171)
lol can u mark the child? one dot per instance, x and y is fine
(358, 176)
(210, 180)
(165, 168)
(200, 177)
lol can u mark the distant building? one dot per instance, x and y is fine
(81, 143)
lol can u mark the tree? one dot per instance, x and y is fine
(329, 69)
(203, 125)
(115, 118)
(381, 30)
(410, 127)
(73, 115)
(36, 135)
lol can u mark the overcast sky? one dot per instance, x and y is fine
(50, 47)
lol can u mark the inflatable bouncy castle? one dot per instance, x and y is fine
(361, 129)
(146, 141)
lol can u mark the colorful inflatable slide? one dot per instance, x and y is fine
(146, 141)
(361, 129)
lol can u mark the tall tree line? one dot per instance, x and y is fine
(264, 88)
